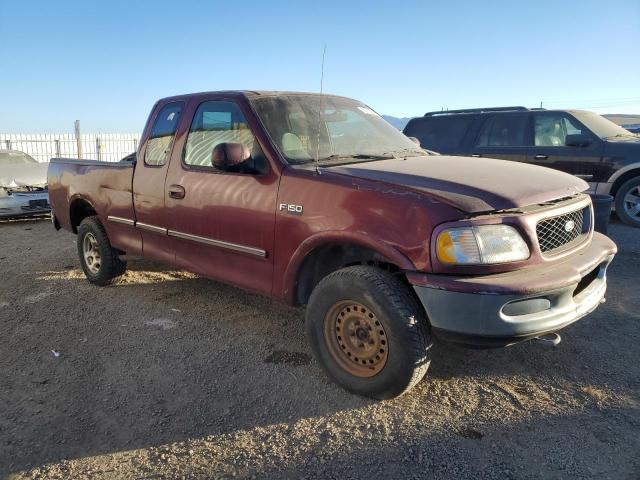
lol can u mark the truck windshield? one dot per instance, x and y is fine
(337, 130)
(601, 126)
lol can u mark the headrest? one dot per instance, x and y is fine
(293, 147)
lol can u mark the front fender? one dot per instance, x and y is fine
(338, 237)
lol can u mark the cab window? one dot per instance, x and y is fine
(216, 123)
(162, 133)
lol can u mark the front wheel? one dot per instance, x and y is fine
(628, 202)
(99, 260)
(368, 332)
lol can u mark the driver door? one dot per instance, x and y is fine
(222, 222)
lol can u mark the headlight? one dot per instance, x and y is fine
(481, 245)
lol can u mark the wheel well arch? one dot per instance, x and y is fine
(329, 257)
(79, 209)
(628, 175)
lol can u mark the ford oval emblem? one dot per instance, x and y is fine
(569, 226)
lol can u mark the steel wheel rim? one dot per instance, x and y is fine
(356, 339)
(91, 252)
(632, 202)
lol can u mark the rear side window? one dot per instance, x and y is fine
(162, 133)
(503, 131)
(442, 134)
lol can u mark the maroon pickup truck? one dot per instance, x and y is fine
(314, 199)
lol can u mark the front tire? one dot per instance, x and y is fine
(368, 332)
(100, 262)
(628, 202)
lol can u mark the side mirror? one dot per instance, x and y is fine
(577, 140)
(228, 156)
(415, 140)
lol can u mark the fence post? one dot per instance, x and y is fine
(98, 148)
(78, 138)
(57, 142)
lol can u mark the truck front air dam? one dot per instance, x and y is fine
(505, 308)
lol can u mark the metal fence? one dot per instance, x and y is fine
(110, 147)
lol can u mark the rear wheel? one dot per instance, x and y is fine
(99, 260)
(628, 202)
(368, 332)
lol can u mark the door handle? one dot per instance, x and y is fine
(476, 155)
(541, 157)
(176, 191)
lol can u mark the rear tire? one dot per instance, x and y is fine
(368, 332)
(100, 262)
(628, 202)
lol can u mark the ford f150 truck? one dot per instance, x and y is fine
(315, 199)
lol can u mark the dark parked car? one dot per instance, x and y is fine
(575, 141)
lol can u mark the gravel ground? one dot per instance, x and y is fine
(170, 375)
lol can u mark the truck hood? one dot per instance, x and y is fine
(472, 185)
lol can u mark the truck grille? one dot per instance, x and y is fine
(556, 232)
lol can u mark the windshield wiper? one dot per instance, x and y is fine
(355, 156)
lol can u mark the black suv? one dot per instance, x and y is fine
(575, 141)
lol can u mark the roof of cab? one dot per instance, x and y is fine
(242, 94)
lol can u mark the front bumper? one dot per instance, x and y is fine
(501, 309)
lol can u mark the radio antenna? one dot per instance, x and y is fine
(324, 51)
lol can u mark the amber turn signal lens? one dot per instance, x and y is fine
(482, 244)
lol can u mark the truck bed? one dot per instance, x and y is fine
(106, 187)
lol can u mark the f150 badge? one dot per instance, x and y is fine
(291, 208)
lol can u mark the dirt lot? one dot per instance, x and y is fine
(169, 375)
